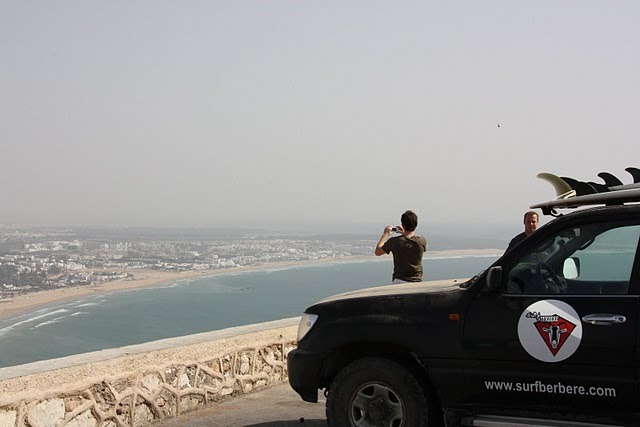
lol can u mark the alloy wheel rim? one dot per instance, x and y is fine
(376, 404)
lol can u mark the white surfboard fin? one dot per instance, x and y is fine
(563, 189)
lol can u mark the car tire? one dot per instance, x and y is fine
(379, 392)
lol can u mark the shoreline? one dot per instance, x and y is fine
(32, 301)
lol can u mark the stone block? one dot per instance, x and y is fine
(215, 365)
(171, 375)
(277, 370)
(184, 382)
(267, 359)
(8, 418)
(244, 362)
(143, 412)
(214, 397)
(167, 402)
(151, 383)
(103, 396)
(272, 354)
(207, 380)
(191, 373)
(72, 403)
(124, 385)
(49, 413)
(123, 410)
(247, 386)
(227, 365)
(191, 402)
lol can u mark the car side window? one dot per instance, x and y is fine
(591, 259)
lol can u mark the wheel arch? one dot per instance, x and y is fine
(343, 356)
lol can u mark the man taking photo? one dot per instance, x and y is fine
(407, 249)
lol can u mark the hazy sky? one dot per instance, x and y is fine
(206, 113)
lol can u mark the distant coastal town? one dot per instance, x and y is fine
(38, 259)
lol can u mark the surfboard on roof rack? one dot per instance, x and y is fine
(610, 198)
(571, 193)
(569, 187)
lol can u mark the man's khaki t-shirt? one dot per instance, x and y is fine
(407, 257)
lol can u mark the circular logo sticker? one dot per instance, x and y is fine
(550, 330)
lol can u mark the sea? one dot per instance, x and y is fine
(202, 304)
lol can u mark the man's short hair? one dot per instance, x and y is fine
(530, 213)
(409, 220)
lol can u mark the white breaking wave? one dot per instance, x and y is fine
(182, 282)
(276, 269)
(9, 328)
(31, 319)
(49, 322)
(88, 304)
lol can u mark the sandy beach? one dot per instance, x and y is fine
(146, 278)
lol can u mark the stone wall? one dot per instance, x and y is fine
(140, 387)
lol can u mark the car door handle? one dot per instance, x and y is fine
(604, 319)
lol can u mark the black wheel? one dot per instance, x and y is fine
(378, 392)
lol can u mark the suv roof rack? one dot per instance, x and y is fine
(571, 193)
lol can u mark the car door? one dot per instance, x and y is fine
(561, 335)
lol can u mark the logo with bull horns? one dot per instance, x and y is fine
(550, 330)
(554, 330)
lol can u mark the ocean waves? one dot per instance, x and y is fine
(39, 315)
(45, 317)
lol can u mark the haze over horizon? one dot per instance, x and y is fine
(213, 114)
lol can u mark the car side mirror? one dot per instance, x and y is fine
(494, 279)
(571, 268)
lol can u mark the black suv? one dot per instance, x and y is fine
(546, 336)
